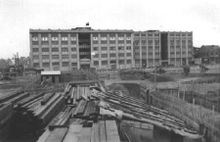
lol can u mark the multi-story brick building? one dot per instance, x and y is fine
(81, 47)
(176, 48)
(147, 48)
(84, 47)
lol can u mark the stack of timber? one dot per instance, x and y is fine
(91, 114)
(101, 131)
(7, 101)
(22, 114)
(35, 112)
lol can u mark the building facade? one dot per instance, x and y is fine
(176, 48)
(84, 47)
(81, 47)
(147, 48)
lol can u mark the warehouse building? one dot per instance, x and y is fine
(81, 47)
(84, 47)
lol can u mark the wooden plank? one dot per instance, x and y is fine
(95, 133)
(102, 131)
(46, 98)
(112, 131)
(5, 110)
(44, 136)
(57, 135)
(73, 133)
(86, 133)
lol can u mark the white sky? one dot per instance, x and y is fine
(18, 16)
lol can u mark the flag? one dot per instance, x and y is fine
(87, 24)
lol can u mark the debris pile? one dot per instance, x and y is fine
(93, 114)
(29, 114)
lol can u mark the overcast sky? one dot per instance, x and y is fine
(18, 16)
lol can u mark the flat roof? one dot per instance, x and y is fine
(82, 30)
(51, 73)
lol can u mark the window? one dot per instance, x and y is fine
(111, 35)
(96, 56)
(72, 37)
(112, 48)
(157, 42)
(95, 48)
(128, 41)
(150, 42)
(103, 35)
(64, 37)
(128, 47)
(35, 42)
(157, 47)
(137, 34)
(143, 35)
(54, 38)
(55, 64)
(55, 49)
(95, 41)
(121, 36)
(74, 64)
(34, 38)
(121, 54)
(64, 49)
(103, 41)
(73, 49)
(128, 54)
(105, 62)
(46, 64)
(73, 42)
(74, 56)
(44, 38)
(35, 49)
(54, 42)
(150, 48)
(143, 41)
(113, 62)
(96, 63)
(45, 57)
(104, 55)
(128, 61)
(36, 65)
(35, 57)
(121, 42)
(144, 53)
(45, 49)
(136, 42)
(144, 48)
(120, 48)
(64, 42)
(55, 56)
(112, 55)
(95, 38)
(65, 64)
(178, 42)
(112, 41)
(65, 56)
(104, 48)
(121, 62)
(112, 38)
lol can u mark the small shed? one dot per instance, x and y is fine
(54, 76)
